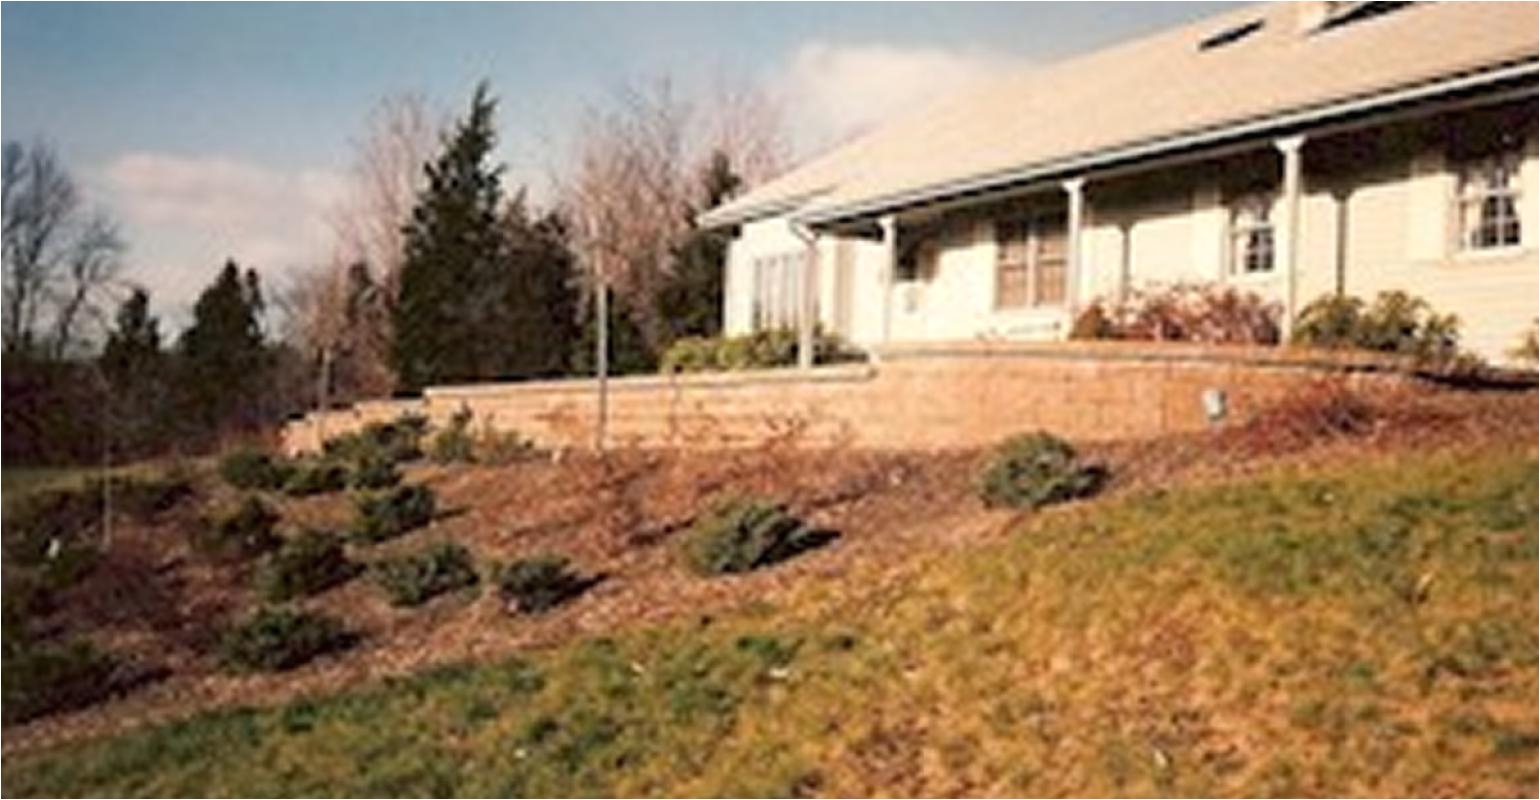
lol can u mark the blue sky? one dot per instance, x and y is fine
(224, 128)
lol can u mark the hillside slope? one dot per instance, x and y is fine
(1367, 628)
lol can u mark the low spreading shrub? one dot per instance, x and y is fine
(244, 532)
(143, 497)
(307, 564)
(70, 512)
(1182, 313)
(414, 579)
(249, 468)
(374, 473)
(758, 350)
(23, 599)
(1037, 469)
(385, 515)
(311, 477)
(392, 442)
(1395, 323)
(40, 523)
(533, 585)
(743, 534)
(43, 679)
(454, 444)
(1528, 348)
(499, 449)
(276, 639)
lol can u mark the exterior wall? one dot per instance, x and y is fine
(937, 397)
(1494, 293)
(1387, 223)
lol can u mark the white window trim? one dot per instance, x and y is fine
(1464, 195)
(1034, 225)
(1234, 270)
(777, 295)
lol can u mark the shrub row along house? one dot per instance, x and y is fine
(1285, 150)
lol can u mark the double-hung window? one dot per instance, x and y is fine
(1031, 262)
(778, 290)
(1488, 201)
(1251, 234)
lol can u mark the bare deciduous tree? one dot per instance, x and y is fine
(59, 258)
(634, 177)
(341, 309)
(387, 173)
(341, 318)
(744, 122)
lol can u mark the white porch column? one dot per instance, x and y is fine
(889, 264)
(1075, 189)
(809, 302)
(1287, 245)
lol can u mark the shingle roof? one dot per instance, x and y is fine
(1151, 89)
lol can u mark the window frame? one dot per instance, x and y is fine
(1475, 185)
(1260, 233)
(777, 298)
(1035, 230)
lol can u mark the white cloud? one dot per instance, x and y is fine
(184, 215)
(833, 92)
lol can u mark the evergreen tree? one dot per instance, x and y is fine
(628, 348)
(133, 346)
(486, 291)
(223, 360)
(541, 323)
(454, 283)
(690, 302)
(134, 367)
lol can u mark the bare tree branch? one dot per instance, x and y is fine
(634, 176)
(58, 260)
(90, 265)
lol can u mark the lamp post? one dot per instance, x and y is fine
(601, 351)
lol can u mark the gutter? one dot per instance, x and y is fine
(1525, 68)
(725, 215)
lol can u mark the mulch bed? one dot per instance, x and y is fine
(161, 606)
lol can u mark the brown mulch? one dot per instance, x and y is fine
(618, 517)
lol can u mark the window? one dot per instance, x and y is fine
(1032, 262)
(778, 290)
(1230, 35)
(1251, 234)
(919, 249)
(1343, 13)
(1012, 284)
(1488, 202)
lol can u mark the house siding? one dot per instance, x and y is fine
(1387, 222)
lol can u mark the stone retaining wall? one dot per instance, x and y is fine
(921, 397)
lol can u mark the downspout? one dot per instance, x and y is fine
(889, 258)
(805, 343)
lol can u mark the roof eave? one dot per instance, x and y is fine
(728, 215)
(1150, 148)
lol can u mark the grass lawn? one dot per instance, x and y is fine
(21, 480)
(1365, 629)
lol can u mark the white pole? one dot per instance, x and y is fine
(808, 302)
(602, 352)
(1290, 147)
(1075, 189)
(323, 397)
(889, 263)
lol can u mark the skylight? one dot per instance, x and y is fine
(1340, 14)
(1230, 35)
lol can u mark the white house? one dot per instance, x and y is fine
(1290, 149)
